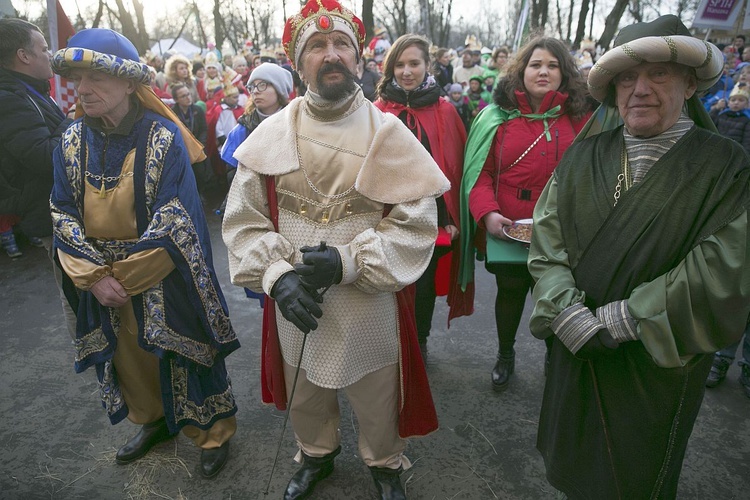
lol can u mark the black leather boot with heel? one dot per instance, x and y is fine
(313, 470)
(506, 363)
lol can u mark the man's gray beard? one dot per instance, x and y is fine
(337, 91)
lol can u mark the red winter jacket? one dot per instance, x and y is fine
(519, 187)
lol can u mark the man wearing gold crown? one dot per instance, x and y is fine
(640, 256)
(332, 214)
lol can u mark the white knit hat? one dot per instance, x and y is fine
(274, 74)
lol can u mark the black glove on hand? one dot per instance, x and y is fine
(296, 303)
(601, 344)
(320, 267)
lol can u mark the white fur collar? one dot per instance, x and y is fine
(397, 167)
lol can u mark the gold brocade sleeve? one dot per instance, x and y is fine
(142, 270)
(82, 272)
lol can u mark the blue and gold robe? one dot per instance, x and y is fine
(181, 317)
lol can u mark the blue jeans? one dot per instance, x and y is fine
(729, 352)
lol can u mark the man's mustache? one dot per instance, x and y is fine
(333, 68)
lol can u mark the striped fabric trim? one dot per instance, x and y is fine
(618, 321)
(643, 153)
(575, 325)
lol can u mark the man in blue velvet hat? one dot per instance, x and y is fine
(131, 236)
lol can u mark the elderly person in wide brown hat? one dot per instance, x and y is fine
(131, 236)
(640, 258)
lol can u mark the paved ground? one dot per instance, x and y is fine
(56, 443)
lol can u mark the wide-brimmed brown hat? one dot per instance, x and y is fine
(665, 39)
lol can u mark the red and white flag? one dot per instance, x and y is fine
(60, 31)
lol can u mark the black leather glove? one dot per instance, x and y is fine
(320, 267)
(295, 302)
(601, 344)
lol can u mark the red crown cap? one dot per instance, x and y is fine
(322, 16)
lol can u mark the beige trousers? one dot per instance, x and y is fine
(138, 376)
(374, 398)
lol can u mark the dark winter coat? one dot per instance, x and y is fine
(31, 126)
(734, 125)
(194, 120)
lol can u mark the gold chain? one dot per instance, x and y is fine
(97, 177)
(624, 175)
(312, 185)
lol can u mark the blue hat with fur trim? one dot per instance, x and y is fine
(104, 50)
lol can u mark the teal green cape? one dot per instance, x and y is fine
(483, 130)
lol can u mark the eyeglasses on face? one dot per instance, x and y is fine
(259, 86)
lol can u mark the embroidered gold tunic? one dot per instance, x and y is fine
(336, 165)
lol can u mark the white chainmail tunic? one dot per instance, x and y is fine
(317, 151)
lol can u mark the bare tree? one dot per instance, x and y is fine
(636, 10)
(539, 13)
(396, 20)
(685, 6)
(135, 31)
(570, 21)
(612, 22)
(424, 16)
(197, 13)
(581, 30)
(219, 31)
(438, 27)
(98, 16)
(367, 18)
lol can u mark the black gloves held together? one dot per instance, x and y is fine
(601, 344)
(320, 268)
(295, 302)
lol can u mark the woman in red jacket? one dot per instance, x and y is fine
(408, 91)
(539, 107)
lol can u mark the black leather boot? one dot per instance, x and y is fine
(388, 483)
(506, 363)
(149, 436)
(213, 460)
(313, 470)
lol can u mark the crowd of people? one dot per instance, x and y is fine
(358, 190)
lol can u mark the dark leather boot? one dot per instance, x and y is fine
(506, 363)
(388, 483)
(313, 470)
(718, 372)
(213, 460)
(149, 436)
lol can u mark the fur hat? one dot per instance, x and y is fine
(274, 74)
(665, 39)
(102, 50)
(320, 16)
